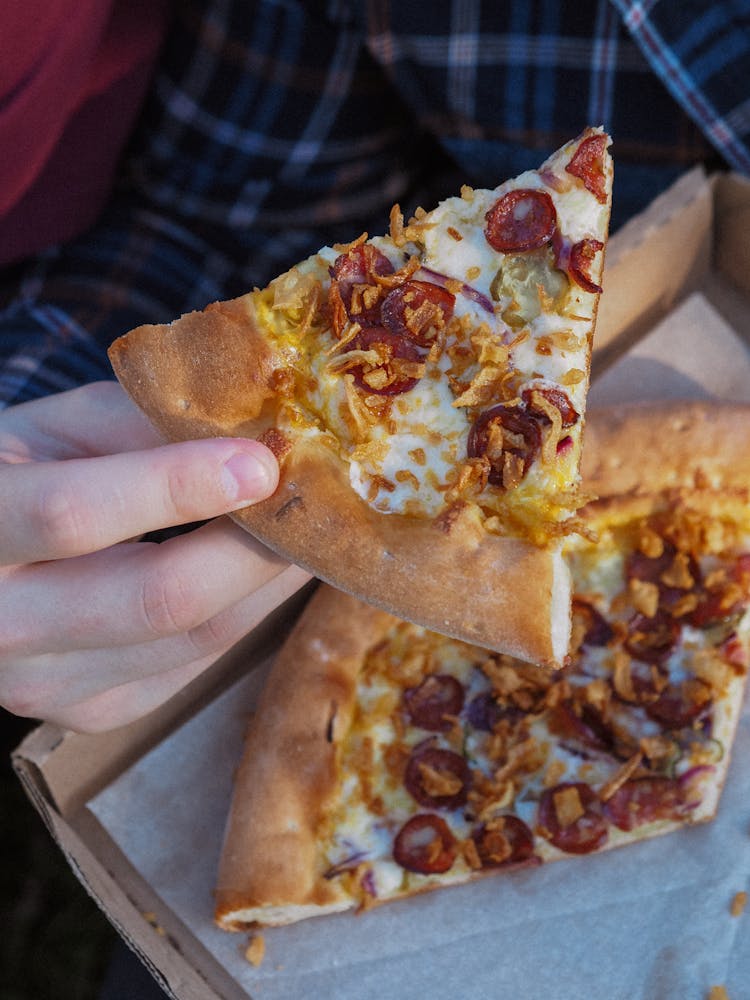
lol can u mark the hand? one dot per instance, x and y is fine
(96, 630)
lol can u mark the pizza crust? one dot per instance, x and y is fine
(288, 776)
(193, 378)
(647, 447)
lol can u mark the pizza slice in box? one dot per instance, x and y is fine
(424, 392)
(385, 760)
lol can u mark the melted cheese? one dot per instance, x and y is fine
(424, 421)
(409, 653)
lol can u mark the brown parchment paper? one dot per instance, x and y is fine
(647, 922)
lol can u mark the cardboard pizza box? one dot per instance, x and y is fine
(674, 320)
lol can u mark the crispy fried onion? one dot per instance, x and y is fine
(412, 232)
(299, 297)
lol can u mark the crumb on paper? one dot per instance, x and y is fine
(739, 902)
(256, 949)
(150, 917)
(718, 993)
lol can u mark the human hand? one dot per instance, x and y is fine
(96, 630)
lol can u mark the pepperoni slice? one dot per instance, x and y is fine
(444, 766)
(357, 267)
(587, 164)
(716, 605)
(557, 397)
(524, 219)
(678, 705)
(432, 702)
(651, 640)
(596, 630)
(425, 844)
(484, 712)
(586, 726)
(505, 841)
(651, 569)
(584, 834)
(524, 439)
(396, 347)
(643, 800)
(581, 258)
(416, 309)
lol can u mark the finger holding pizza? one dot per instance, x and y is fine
(97, 629)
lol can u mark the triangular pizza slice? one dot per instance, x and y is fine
(385, 759)
(424, 392)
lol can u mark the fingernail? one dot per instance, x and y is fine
(246, 478)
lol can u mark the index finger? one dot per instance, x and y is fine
(53, 510)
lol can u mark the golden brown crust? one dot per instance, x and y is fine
(209, 374)
(288, 776)
(647, 447)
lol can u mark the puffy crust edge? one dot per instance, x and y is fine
(209, 373)
(648, 447)
(288, 775)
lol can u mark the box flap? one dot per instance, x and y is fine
(652, 262)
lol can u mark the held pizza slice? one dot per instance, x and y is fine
(385, 759)
(425, 394)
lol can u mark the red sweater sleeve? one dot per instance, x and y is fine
(73, 74)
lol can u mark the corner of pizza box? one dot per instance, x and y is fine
(61, 771)
(693, 237)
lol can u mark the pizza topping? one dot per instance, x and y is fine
(587, 164)
(622, 775)
(417, 310)
(645, 800)
(484, 712)
(674, 573)
(680, 704)
(354, 271)
(539, 398)
(582, 256)
(523, 219)
(383, 362)
(531, 283)
(725, 594)
(570, 817)
(435, 702)
(510, 438)
(503, 840)
(651, 640)
(425, 845)
(437, 778)
(590, 628)
(583, 724)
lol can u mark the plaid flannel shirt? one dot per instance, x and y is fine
(277, 126)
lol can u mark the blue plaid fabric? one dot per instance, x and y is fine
(276, 126)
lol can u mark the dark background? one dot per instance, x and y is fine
(55, 944)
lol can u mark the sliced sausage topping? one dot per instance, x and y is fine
(417, 310)
(570, 817)
(394, 370)
(557, 397)
(510, 438)
(651, 640)
(587, 164)
(435, 702)
(357, 267)
(505, 840)
(425, 844)
(643, 800)
(436, 778)
(582, 256)
(520, 220)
